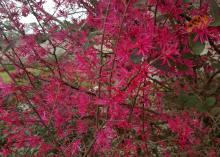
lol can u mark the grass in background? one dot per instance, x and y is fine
(5, 77)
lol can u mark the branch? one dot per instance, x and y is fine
(116, 45)
(94, 140)
(214, 46)
(31, 105)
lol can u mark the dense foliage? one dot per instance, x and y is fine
(122, 78)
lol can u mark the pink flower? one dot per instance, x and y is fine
(25, 11)
(75, 147)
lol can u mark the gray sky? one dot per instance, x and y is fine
(49, 6)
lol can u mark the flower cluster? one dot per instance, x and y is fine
(122, 78)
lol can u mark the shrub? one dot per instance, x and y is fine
(110, 78)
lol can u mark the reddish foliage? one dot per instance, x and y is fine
(128, 79)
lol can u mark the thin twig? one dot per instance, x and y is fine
(116, 45)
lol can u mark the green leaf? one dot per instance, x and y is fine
(42, 38)
(136, 58)
(189, 56)
(215, 12)
(191, 100)
(140, 3)
(27, 132)
(87, 45)
(93, 34)
(8, 27)
(159, 65)
(216, 22)
(197, 47)
(188, 99)
(216, 65)
(210, 101)
(182, 67)
(10, 67)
